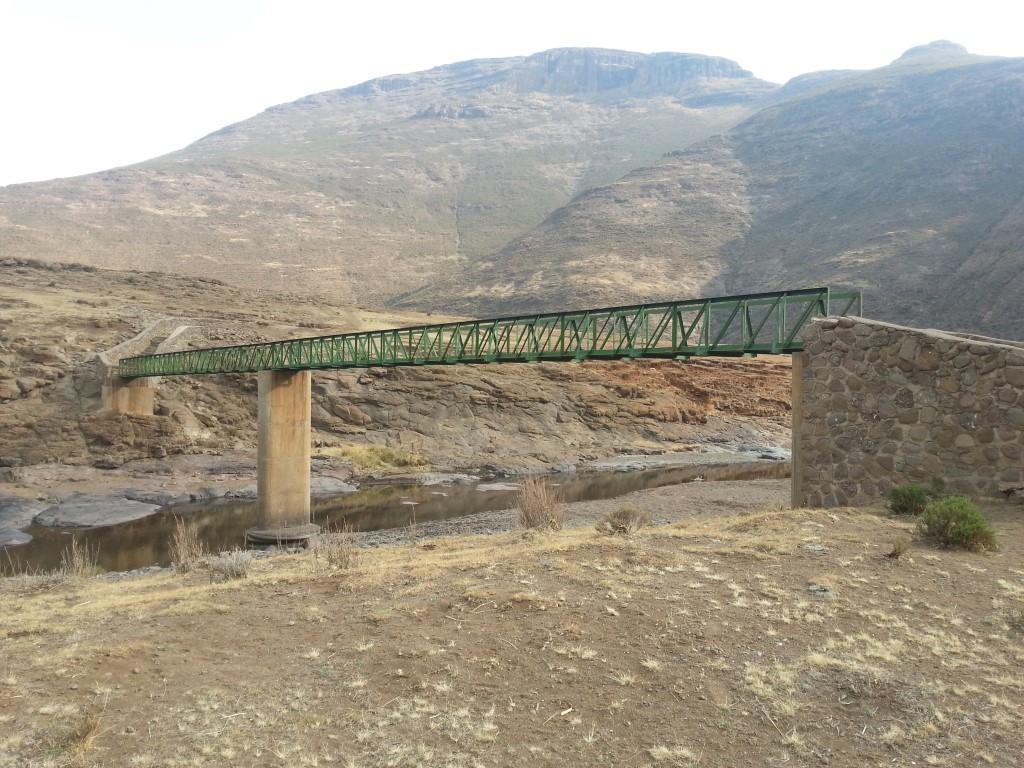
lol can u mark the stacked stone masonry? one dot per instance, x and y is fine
(884, 405)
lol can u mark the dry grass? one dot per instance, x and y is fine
(625, 520)
(187, 549)
(900, 547)
(227, 566)
(572, 649)
(539, 506)
(336, 550)
(368, 457)
(78, 561)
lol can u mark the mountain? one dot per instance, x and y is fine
(374, 190)
(905, 182)
(584, 177)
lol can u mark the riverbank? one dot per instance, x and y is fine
(664, 505)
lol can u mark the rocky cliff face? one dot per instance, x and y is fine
(569, 71)
(553, 413)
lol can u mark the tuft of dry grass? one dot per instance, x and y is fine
(187, 550)
(368, 457)
(336, 550)
(83, 736)
(899, 548)
(539, 506)
(79, 560)
(624, 520)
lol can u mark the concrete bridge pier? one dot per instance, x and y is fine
(129, 395)
(283, 457)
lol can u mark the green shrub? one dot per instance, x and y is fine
(955, 522)
(908, 500)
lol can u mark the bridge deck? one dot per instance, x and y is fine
(727, 326)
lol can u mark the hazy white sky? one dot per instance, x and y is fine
(93, 84)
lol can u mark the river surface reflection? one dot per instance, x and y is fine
(222, 524)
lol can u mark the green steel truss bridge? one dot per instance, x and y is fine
(729, 326)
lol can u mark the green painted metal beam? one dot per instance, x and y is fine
(729, 326)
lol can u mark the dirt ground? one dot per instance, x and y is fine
(733, 632)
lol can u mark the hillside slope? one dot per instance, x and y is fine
(904, 182)
(370, 191)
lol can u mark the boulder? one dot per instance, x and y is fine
(162, 498)
(48, 354)
(9, 390)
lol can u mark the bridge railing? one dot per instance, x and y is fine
(766, 323)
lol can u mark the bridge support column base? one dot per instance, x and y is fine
(282, 457)
(129, 395)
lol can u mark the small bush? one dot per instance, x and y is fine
(230, 565)
(899, 548)
(624, 520)
(539, 506)
(908, 500)
(186, 547)
(955, 522)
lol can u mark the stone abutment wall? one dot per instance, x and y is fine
(882, 405)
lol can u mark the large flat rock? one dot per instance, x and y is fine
(12, 537)
(17, 512)
(163, 498)
(330, 486)
(85, 511)
(318, 486)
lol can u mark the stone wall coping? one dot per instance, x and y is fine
(933, 333)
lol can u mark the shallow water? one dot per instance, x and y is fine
(222, 524)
